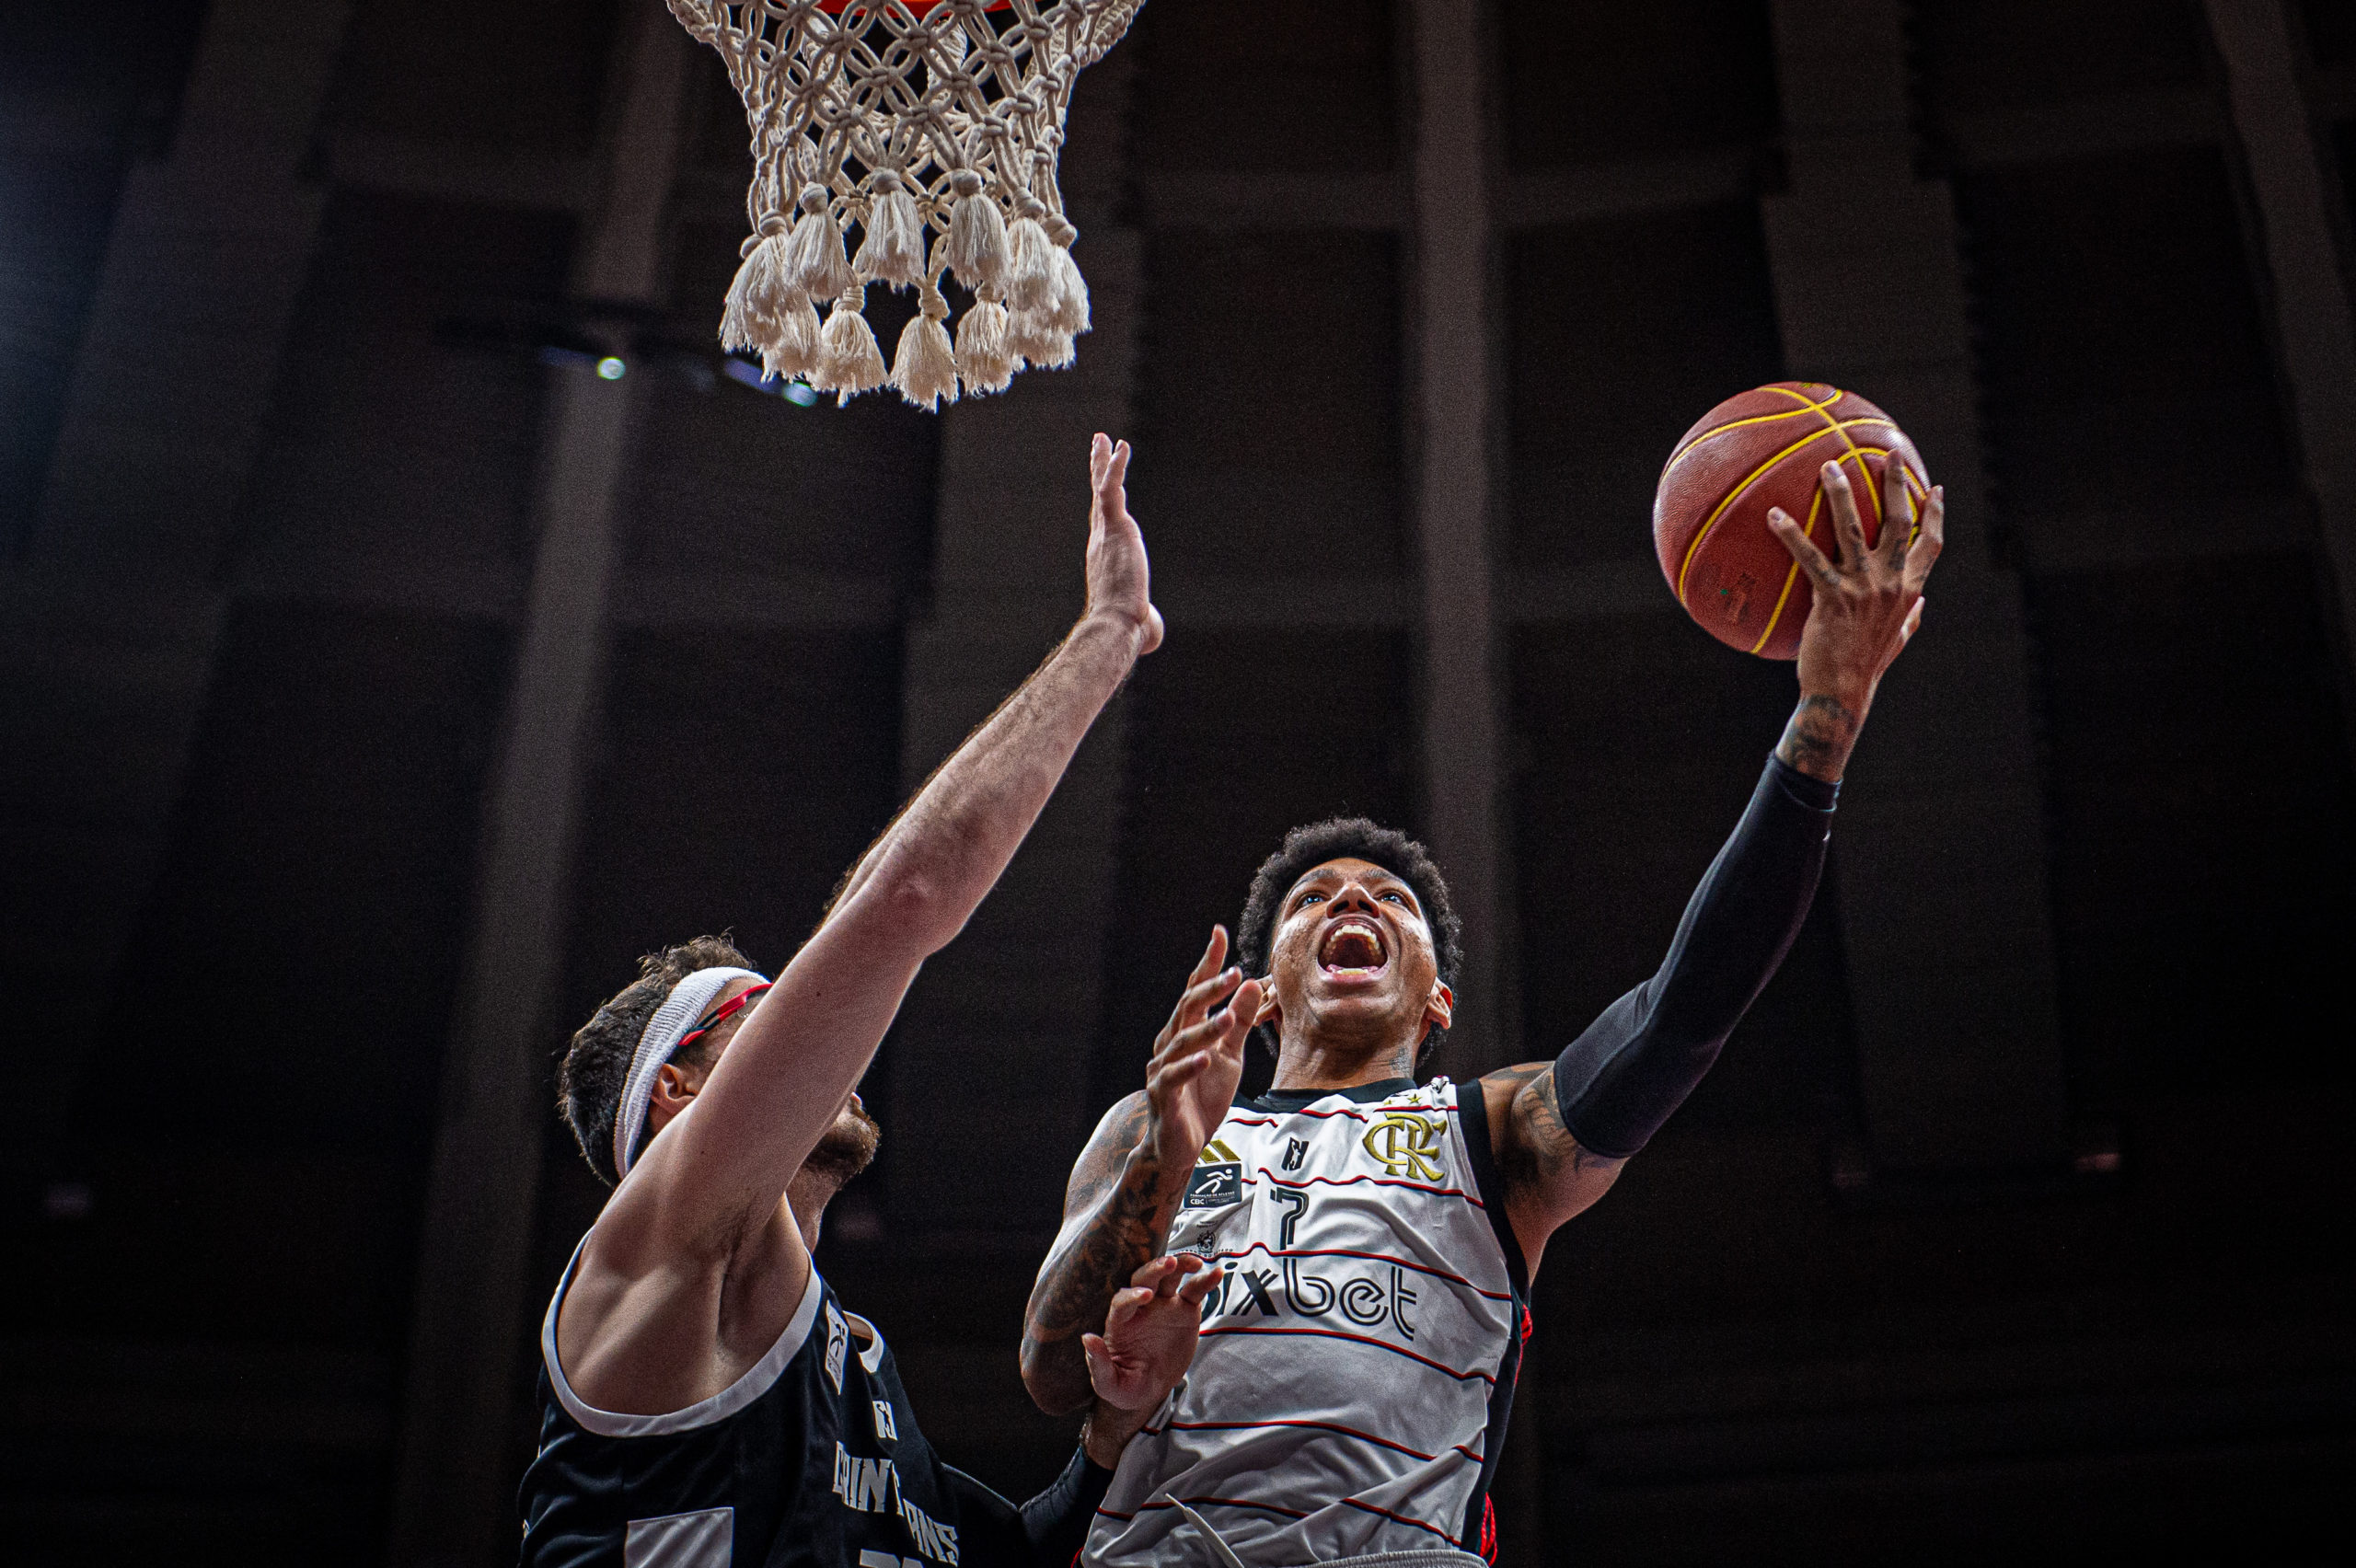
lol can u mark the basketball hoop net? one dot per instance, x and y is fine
(934, 127)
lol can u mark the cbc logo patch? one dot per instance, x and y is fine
(1214, 1186)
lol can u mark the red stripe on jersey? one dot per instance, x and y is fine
(1359, 1339)
(1378, 1180)
(1397, 1518)
(1359, 1115)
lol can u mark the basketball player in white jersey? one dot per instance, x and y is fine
(705, 1398)
(1376, 1239)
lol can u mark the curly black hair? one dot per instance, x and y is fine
(1304, 849)
(589, 1083)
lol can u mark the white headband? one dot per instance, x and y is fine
(664, 1032)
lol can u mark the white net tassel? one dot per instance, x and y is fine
(792, 348)
(1067, 303)
(977, 256)
(1031, 275)
(983, 359)
(815, 264)
(925, 369)
(741, 326)
(1031, 335)
(893, 251)
(849, 361)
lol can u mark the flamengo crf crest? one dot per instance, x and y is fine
(1406, 1145)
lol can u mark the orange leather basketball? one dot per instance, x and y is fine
(1760, 449)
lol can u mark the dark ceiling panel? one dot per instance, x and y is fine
(2200, 793)
(386, 439)
(1269, 419)
(295, 968)
(496, 73)
(1619, 334)
(2331, 31)
(1249, 85)
(103, 87)
(2123, 364)
(1991, 55)
(1599, 84)
(255, 1114)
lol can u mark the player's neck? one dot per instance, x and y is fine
(1308, 1061)
(806, 1198)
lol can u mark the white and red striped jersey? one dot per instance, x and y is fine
(1358, 1354)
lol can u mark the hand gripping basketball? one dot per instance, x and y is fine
(1754, 452)
(1869, 601)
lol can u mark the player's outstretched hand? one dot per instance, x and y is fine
(1150, 1335)
(1119, 584)
(1867, 603)
(1198, 1060)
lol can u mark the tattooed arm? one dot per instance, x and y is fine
(1549, 1177)
(1125, 1187)
(1562, 1128)
(1115, 1214)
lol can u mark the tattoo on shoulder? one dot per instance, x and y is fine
(1541, 1150)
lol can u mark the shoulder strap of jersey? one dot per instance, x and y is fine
(1472, 1115)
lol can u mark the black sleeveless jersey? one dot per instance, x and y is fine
(811, 1460)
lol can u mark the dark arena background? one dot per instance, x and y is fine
(408, 618)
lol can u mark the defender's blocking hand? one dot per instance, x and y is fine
(1120, 585)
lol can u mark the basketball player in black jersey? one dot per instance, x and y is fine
(1352, 950)
(706, 1399)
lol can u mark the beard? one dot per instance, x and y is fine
(847, 1147)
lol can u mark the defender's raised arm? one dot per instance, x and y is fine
(788, 1070)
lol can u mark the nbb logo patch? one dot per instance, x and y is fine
(1218, 1178)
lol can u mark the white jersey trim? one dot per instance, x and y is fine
(758, 1380)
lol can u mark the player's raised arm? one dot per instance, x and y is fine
(1128, 1182)
(791, 1065)
(1565, 1125)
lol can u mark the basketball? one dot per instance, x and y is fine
(1757, 450)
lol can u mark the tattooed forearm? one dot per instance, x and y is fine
(1819, 739)
(1131, 1217)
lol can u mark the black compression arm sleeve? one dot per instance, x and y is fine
(1057, 1520)
(1046, 1532)
(1618, 1082)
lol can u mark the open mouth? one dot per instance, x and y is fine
(1353, 948)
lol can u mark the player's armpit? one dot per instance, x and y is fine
(1549, 1177)
(1114, 1218)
